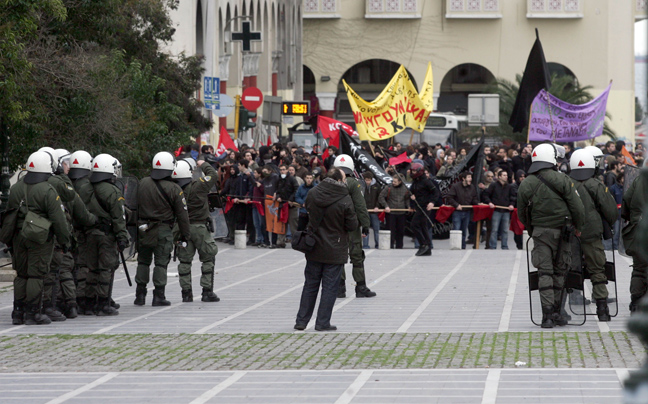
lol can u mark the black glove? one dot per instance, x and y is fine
(122, 245)
(365, 231)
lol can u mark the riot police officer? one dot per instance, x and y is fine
(79, 174)
(345, 163)
(634, 203)
(548, 205)
(160, 202)
(107, 237)
(600, 205)
(32, 252)
(201, 240)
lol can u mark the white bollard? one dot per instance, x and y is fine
(455, 239)
(240, 239)
(525, 237)
(384, 239)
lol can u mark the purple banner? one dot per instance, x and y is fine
(566, 122)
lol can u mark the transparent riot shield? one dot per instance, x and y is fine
(573, 285)
(610, 274)
(220, 225)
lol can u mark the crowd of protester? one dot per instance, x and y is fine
(284, 174)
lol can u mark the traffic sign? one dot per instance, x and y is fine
(246, 36)
(224, 106)
(252, 98)
(211, 91)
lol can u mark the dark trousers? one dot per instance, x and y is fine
(249, 221)
(397, 227)
(420, 227)
(316, 273)
(302, 222)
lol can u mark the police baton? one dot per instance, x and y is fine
(121, 254)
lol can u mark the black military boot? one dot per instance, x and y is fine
(547, 317)
(423, 251)
(54, 314)
(114, 304)
(33, 316)
(187, 296)
(158, 297)
(90, 303)
(602, 310)
(81, 302)
(341, 290)
(71, 310)
(104, 308)
(208, 295)
(18, 313)
(363, 291)
(633, 307)
(558, 317)
(140, 295)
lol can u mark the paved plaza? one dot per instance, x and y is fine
(451, 328)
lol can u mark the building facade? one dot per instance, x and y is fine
(468, 42)
(273, 64)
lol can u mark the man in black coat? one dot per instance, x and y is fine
(286, 188)
(424, 195)
(332, 217)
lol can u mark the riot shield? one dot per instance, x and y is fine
(630, 174)
(610, 274)
(573, 285)
(220, 225)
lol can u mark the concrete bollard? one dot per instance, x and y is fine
(525, 238)
(384, 239)
(455, 239)
(240, 239)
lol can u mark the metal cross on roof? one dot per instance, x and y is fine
(246, 36)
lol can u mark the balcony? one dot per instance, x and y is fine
(554, 9)
(484, 9)
(393, 9)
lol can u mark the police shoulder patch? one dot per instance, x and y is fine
(207, 178)
(69, 187)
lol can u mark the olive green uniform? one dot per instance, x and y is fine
(62, 263)
(548, 215)
(84, 190)
(154, 235)
(30, 259)
(599, 205)
(107, 203)
(356, 253)
(634, 202)
(201, 239)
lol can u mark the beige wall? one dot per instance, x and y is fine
(597, 48)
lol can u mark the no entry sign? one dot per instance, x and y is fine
(252, 98)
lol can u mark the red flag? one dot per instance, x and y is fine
(516, 225)
(330, 129)
(627, 156)
(224, 142)
(399, 159)
(482, 212)
(179, 151)
(444, 213)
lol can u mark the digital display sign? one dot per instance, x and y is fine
(436, 122)
(295, 108)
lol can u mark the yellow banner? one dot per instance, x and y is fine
(398, 106)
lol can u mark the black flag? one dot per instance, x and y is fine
(362, 158)
(535, 78)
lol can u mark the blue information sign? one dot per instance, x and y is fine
(211, 90)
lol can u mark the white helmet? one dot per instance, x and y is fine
(582, 165)
(597, 153)
(163, 165)
(543, 156)
(53, 155)
(183, 173)
(103, 168)
(80, 164)
(39, 167)
(345, 163)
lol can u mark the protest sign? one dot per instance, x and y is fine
(398, 106)
(558, 121)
